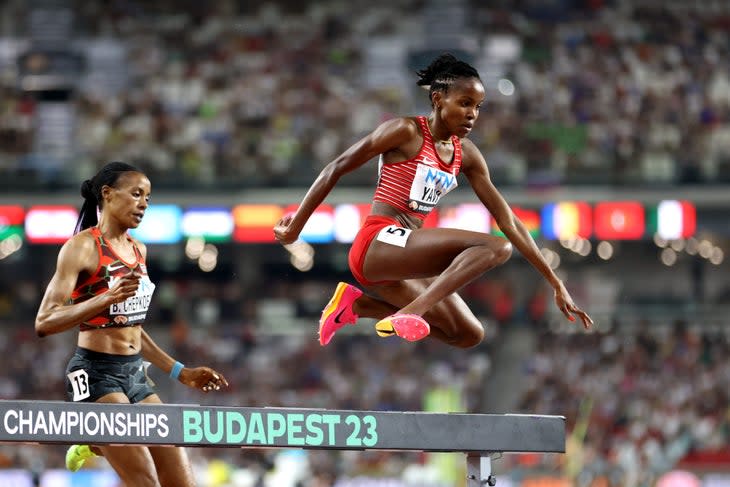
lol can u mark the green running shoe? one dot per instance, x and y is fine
(76, 455)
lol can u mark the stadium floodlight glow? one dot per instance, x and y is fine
(194, 247)
(692, 246)
(668, 257)
(585, 248)
(705, 249)
(604, 250)
(506, 87)
(208, 258)
(717, 256)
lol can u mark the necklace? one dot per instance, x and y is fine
(447, 141)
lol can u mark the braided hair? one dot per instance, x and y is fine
(442, 72)
(91, 192)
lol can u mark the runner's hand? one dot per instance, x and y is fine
(283, 232)
(123, 288)
(203, 378)
(567, 306)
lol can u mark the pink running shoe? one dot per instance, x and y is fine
(338, 312)
(407, 326)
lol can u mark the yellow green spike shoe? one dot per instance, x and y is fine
(76, 455)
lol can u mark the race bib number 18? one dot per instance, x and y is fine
(394, 235)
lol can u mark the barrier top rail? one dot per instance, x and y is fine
(194, 425)
(479, 436)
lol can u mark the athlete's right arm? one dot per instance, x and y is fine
(55, 313)
(388, 136)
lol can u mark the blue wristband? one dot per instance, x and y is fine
(175, 372)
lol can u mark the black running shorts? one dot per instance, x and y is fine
(91, 375)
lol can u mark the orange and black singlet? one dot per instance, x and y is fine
(111, 267)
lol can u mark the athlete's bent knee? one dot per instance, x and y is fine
(503, 252)
(468, 337)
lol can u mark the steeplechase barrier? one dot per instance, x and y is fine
(479, 436)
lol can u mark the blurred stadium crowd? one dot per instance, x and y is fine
(265, 93)
(261, 94)
(640, 401)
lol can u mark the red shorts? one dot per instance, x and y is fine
(356, 258)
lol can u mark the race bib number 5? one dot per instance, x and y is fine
(80, 384)
(394, 235)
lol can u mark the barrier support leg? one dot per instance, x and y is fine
(479, 470)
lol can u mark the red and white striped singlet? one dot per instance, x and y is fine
(415, 186)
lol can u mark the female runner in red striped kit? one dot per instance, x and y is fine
(411, 274)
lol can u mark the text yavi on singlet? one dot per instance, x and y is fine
(429, 185)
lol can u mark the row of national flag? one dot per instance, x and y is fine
(253, 223)
(619, 220)
(625, 220)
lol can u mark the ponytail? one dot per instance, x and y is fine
(91, 192)
(87, 215)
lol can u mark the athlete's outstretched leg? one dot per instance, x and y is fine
(453, 258)
(437, 263)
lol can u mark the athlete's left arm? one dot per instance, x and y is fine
(203, 378)
(474, 167)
